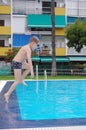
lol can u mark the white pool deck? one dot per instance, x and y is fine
(2, 84)
(54, 128)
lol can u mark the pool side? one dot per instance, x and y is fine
(2, 84)
(55, 128)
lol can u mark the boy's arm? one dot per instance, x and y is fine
(30, 65)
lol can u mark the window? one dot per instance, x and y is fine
(46, 7)
(40, 29)
(2, 42)
(1, 22)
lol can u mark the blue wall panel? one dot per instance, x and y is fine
(71, 20)
(21, 39)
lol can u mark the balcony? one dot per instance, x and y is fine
(60, 11)
(76, 8)
(37, 10)
(5, 9)
(5, 30)
(5, 2)
(60, 31)
(3, 50)
(60, 51)
(46, 52)
(76, 12)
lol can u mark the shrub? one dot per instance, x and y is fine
(10, 54)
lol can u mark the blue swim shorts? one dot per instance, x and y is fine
(16, 65)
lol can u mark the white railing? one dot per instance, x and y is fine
(5, 2)
(76, 12)
(42, 32)
(24, 10)
(70, 11)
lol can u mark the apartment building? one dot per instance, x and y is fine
(33, 17)
(5, 26)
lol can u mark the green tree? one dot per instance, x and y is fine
(76, 35)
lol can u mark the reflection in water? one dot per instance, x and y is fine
(45, 78)
(37, 86)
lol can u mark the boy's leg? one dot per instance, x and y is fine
(17, 74)
(25, 73)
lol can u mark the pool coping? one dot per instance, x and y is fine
(54, 128)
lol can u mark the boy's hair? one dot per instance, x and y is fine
(34, 39)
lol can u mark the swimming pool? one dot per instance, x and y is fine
(51, 103)
(42, 100)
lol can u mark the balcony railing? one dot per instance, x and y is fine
(2, 2)
(70, 11)
(23, 10)
(76, 12)
(5, 30)
(3, 50)
(37, 10)
(5, 9)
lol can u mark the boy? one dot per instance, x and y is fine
(20, 60)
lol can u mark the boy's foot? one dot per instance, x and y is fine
(23, 82)
(6, 96)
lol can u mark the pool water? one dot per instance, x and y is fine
(58, 99)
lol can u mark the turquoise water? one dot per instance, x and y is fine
(52, 99)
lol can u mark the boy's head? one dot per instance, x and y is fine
(34, 39)
(34, 42)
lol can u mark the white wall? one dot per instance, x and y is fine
(7, 42)
(19, 24)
